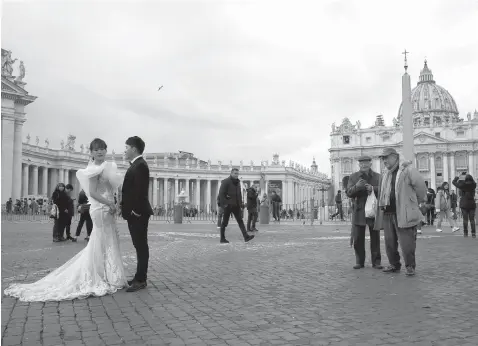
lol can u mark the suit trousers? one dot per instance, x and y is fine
(237, 212)
(138, 228)
(359, 243)
(84, 217)
(394, 234)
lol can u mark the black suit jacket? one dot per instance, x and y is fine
(135, 190)
(360, 195)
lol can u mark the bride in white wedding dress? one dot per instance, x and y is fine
(98, 269)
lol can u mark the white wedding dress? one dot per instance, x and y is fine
(96, 270)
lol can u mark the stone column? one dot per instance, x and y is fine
(35, 180)
(445, 167)
(150, 192)
(9, 188)
(284, 192)
(25, 180)
(61, 175)
(471, 163)
(266, 187)
(337, 168)
(17, 158)
(208, 196)
(433, 174)
(187, 190)
(155, 192)
(176, 189)
(198, 194)
(452, 166)
(44, 182)
(66, 176)
(165, 189)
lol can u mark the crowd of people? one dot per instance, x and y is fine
(400, 202)
(63, 211)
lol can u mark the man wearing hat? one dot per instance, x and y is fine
(361, 184)
(402, 196)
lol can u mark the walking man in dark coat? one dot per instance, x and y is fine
(230, 198)
(136, 209)
(360, 185)
(84, 210)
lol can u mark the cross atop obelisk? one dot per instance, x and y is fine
(406, 62)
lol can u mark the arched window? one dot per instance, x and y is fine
(437, 103)
(423, 163)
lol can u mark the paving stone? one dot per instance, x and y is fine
(292, 285)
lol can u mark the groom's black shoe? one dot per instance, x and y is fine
(136, 286)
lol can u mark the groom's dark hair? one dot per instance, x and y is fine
(136, 142)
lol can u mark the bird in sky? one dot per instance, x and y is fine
(160, 88)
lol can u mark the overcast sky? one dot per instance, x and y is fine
(242, 79)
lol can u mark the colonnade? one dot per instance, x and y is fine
(163, 191)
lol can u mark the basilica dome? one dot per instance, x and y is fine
(431, 103)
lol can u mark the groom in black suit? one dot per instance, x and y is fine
(135, 208)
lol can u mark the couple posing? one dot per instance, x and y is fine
(98, 269)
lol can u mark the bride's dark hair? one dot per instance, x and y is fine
(96, 144)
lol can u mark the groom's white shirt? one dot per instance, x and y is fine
(137, 157)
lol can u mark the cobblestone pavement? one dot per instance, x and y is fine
(292, 285)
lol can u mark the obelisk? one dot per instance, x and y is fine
(407, 116)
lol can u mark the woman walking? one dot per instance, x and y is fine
(443, 207)
(467, 185)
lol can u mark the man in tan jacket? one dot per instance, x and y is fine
(402, 194)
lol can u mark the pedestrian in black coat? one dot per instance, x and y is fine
(467, 186)
(71, 212)
(84, 210)
(61, 200)
(230, 198)
(252, 197)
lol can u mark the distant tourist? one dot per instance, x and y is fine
(61, 200)
(402, 196)
(252, 197)
(84, 210)
(339, 207)
(431, 195)
(276, 202)
(443, 207)
(467, 185)
(454, 203)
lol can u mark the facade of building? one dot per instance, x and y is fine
(445, 144)
(34, 170)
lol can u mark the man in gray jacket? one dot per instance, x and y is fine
(402, 196)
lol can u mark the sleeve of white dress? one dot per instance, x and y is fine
(114, 177)
(84, 175)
